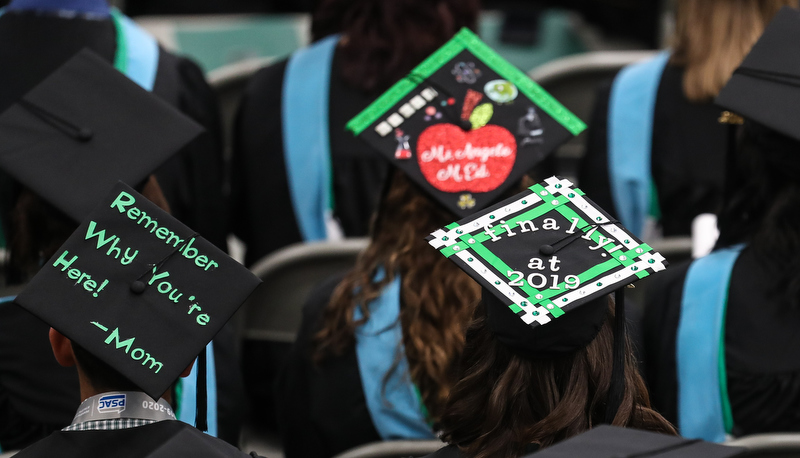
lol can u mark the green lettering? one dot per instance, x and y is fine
(74, 274)
(134, 213)
(201, 260)
(174, 236)
(123, 200)
(211, 264)
(162, 232)
(101, 235)
(115, 337)
(62, 260)
(152, 362)
(203, 319)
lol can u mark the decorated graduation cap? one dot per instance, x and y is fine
(83, 128)
(766, 86)
(606, 441)
(139, 290)
(546, 258)
(465, 124)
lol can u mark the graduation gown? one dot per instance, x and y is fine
(321, 409)
(38, 396)
(33, 45)
(687, 158)
(165, 439)
(260, 190)
(763, 371)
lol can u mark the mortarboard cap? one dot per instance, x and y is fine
(766, 86)
(465, 124)
(546, 258)
(83, 128)
(138, 289)
(542, 254)
(614, 442)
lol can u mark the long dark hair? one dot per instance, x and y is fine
(437, 297)
(505, 401)
(384, 40)
(762, 207)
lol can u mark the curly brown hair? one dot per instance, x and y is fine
(437, 297)
(505, 401)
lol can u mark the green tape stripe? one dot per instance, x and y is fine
(451, 250)
(400, 89)
(498, 264)
(527, 86)
(466, 39)
(452, 225)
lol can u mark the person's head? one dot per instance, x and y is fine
(713, 36)
(505, 399)
(384, 40)
(94, 375)
(762, 207)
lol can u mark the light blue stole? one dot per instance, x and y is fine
(306, 142)
(630, 135)
(394, 403)
(703, 406)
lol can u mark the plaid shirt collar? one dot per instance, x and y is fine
(110, 424)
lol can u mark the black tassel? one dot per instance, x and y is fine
(201, 414)
(616, 390)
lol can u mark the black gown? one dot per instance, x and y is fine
(687, 161)
(260, 190)
(32, 46)
(321, 409)
(761, 339)
(38, 396)
(163, 439)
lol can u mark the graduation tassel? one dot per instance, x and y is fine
(201, 414)
(616, 390)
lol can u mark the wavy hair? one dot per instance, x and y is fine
(437, 297)
(384, 40)
(505, 401)
(713, 36)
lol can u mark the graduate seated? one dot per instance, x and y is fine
(38, 36)
(547, 355)
(721, 332)
(293, 157)
(655, 154)
(68, 140)
(376, 354)
(131, 326)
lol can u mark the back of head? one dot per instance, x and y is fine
(505, 400)
(713, 36)
(384, 40)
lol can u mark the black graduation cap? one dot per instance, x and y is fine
(614, 442)
(542, 258)
(83, 128)
(766, 86)
(465, 124)
(138, 289)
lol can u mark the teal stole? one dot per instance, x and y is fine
(393, 400)
(630, 135)
(704, 410)
(306, 141)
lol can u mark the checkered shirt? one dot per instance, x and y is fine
(108, 425)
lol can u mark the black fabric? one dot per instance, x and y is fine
(568, 333)
(766, 87)
(37, 396)
(321, 408)
(452, 451)
(158, 440)
(35, 45)
(687, 159)
(763, 372)
(260, 189)
(615, 442)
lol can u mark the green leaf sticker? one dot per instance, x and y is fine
(481, 115)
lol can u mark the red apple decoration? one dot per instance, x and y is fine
(478, 160)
